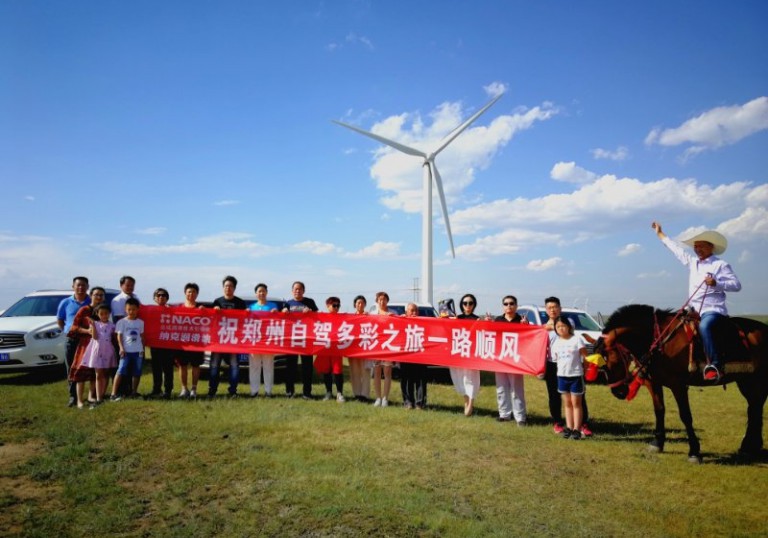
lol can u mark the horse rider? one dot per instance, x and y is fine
(709, 278)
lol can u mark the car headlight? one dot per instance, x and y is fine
(48, 334)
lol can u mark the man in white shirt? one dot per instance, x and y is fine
(709, 278)
(127, 285)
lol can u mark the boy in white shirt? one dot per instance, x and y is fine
(130, 339)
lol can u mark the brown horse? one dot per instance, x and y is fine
(658, 348)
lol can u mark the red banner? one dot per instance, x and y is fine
(478, 345)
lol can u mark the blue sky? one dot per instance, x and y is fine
(183, 141)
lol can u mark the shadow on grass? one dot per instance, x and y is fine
(736, 459)
(45, 376)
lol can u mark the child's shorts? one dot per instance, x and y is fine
(570, 385)
(187, 358)
(131, 363)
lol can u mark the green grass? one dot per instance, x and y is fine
(293, 468)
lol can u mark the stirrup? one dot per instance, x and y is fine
(711, 368)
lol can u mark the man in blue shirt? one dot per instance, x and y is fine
(65, 315)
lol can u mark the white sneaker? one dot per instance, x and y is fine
(377, 403)
(384, 402)
(193, 394)
(340, 398)
(184, 393)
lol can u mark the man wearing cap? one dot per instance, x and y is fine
(709, 278)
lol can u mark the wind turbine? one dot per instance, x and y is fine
(430, 173)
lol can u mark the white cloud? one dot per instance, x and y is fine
(378, 249)
(494, 89)
(317, 247)
(543, 265)
(156, 230)
(600, 206)
(29, 198)
(631, 248)
(353, 38)
(400, 175)
(745, 256)
(226, 202)
(751, 224)
(570, 173)
(720, 126)
(758, 197)
(509, 241)
(619, 154)
(660, 274)
(222, 245)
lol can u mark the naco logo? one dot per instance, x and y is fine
(180, 319)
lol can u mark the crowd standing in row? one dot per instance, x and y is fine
(108, 340)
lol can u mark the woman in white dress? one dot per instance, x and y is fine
(465, 381)
(360, 369)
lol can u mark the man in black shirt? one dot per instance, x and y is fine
(299, 303)
(229, 301)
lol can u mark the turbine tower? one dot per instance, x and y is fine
(430, 173)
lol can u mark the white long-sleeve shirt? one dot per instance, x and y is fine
(705, 298)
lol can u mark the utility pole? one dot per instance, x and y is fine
(416, 289)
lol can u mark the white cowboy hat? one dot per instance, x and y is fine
(718, 240)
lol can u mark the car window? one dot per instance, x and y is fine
(42, 305)
(528, 315)
(583, 322)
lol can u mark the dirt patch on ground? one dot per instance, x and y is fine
(18, 491)
(12, 454)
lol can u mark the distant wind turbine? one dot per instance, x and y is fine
(430, 172)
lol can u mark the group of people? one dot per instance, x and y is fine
(564, 372)
(103, 341)
(107, 340)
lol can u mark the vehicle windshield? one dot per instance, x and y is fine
(42, 305)
(580, 320)
(424, 311)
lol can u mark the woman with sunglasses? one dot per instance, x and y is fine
(510, 388)
(466, 381)
(162, 359)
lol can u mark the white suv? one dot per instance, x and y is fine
(582, 322)
(30, 337)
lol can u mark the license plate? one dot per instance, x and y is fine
(5, 357)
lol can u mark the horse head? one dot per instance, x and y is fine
(613, 361)
(625, 339)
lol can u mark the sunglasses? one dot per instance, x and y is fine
(468, 303)
(162, 295)
(509, 303)
(335, 305)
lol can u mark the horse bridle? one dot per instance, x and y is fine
(628, 358)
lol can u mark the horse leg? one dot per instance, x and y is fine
(659, 432)
(755, 394)
(683, 404)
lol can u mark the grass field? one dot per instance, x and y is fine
(283, 467)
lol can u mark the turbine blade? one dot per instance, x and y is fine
(458, 130)
(387, 141)
(443, 205)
